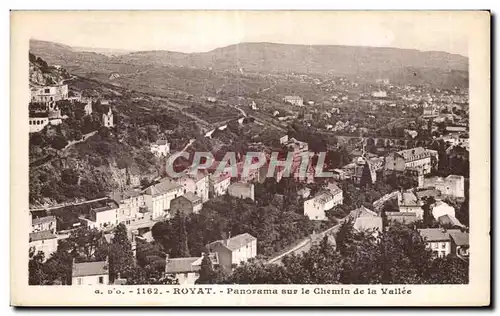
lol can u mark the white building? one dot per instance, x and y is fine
(198, 184)
(159, 196)
(90, 273)
(379, 94)
(233, 251)
(131, 206)
(186, 270)
(44, 223)
(438, 240)
(241, 190)
(219, 184)
(44, 241)
(160, 148)
(315, 208)
(441, 208)
(103, 217)
(37, 124)
(49, 93)
(294, 100)
(107, 119)
(452, 185)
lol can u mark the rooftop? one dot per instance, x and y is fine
(460, 238)
(181, 265)
(190, 196)
(121, 196)
(42, 220)
(241, 185)
(413, 153)
(161, 142)
(236, 242)
(90, 268)
(162, 187)
(42, 235)
(434, 234)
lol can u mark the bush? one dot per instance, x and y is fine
(58, 142)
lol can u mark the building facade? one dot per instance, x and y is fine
(47, 223)
(90, 273)
(49, 93)
(44, 241)
(159, 196)
(315, 208)
(186, 204)
(452, 185)
(235, 250)
(241, 190)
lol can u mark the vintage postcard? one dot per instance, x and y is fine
(250, 158)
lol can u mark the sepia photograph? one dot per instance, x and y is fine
(187, 156)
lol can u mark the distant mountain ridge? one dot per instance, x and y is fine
(276, 58)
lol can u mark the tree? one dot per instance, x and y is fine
(209, 275)
(37, 275)
(83, 243)
(121, 257)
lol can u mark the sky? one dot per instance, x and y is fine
(199, 31)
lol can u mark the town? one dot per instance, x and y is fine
(104, 209)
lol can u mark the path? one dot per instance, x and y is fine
(84, 138)
(307, 243)
(67, 204)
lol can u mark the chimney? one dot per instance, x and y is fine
(227, 240)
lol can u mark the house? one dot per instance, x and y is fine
(408, 202)
(107, 119)
(440, 208)
(449, 221)
(438, 240)
(49, 93)
(366, 220)
(38, 123)
(198, 184)
(234, 250)
(186, 270)
(294, 100)
(159, 196)
(183, 269)
(44, 223)
(103, 217)
(44, 241)
(459, 243)
(241, 190)
(219, 184)
(452, 185)
(160, 148)
(90, 273)
(418, 159)
(186, 204)
(131, 205)
(323, 201)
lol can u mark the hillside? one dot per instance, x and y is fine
(41, 74)
(433, 68)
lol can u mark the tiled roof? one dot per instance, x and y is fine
(42, 235)
(162, 188)
(193, 198)
(460, 238)
(121, 196)
(427, 193)
(362, 212)
(181, 265)
(90, 268)
(414, 153)
(236, 242)
(434, 234)
(449, 220)
(41, 220)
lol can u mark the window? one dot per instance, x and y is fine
(47, 90)
(101, 280)
(185, 275)
(79, 281)
(443, 245)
